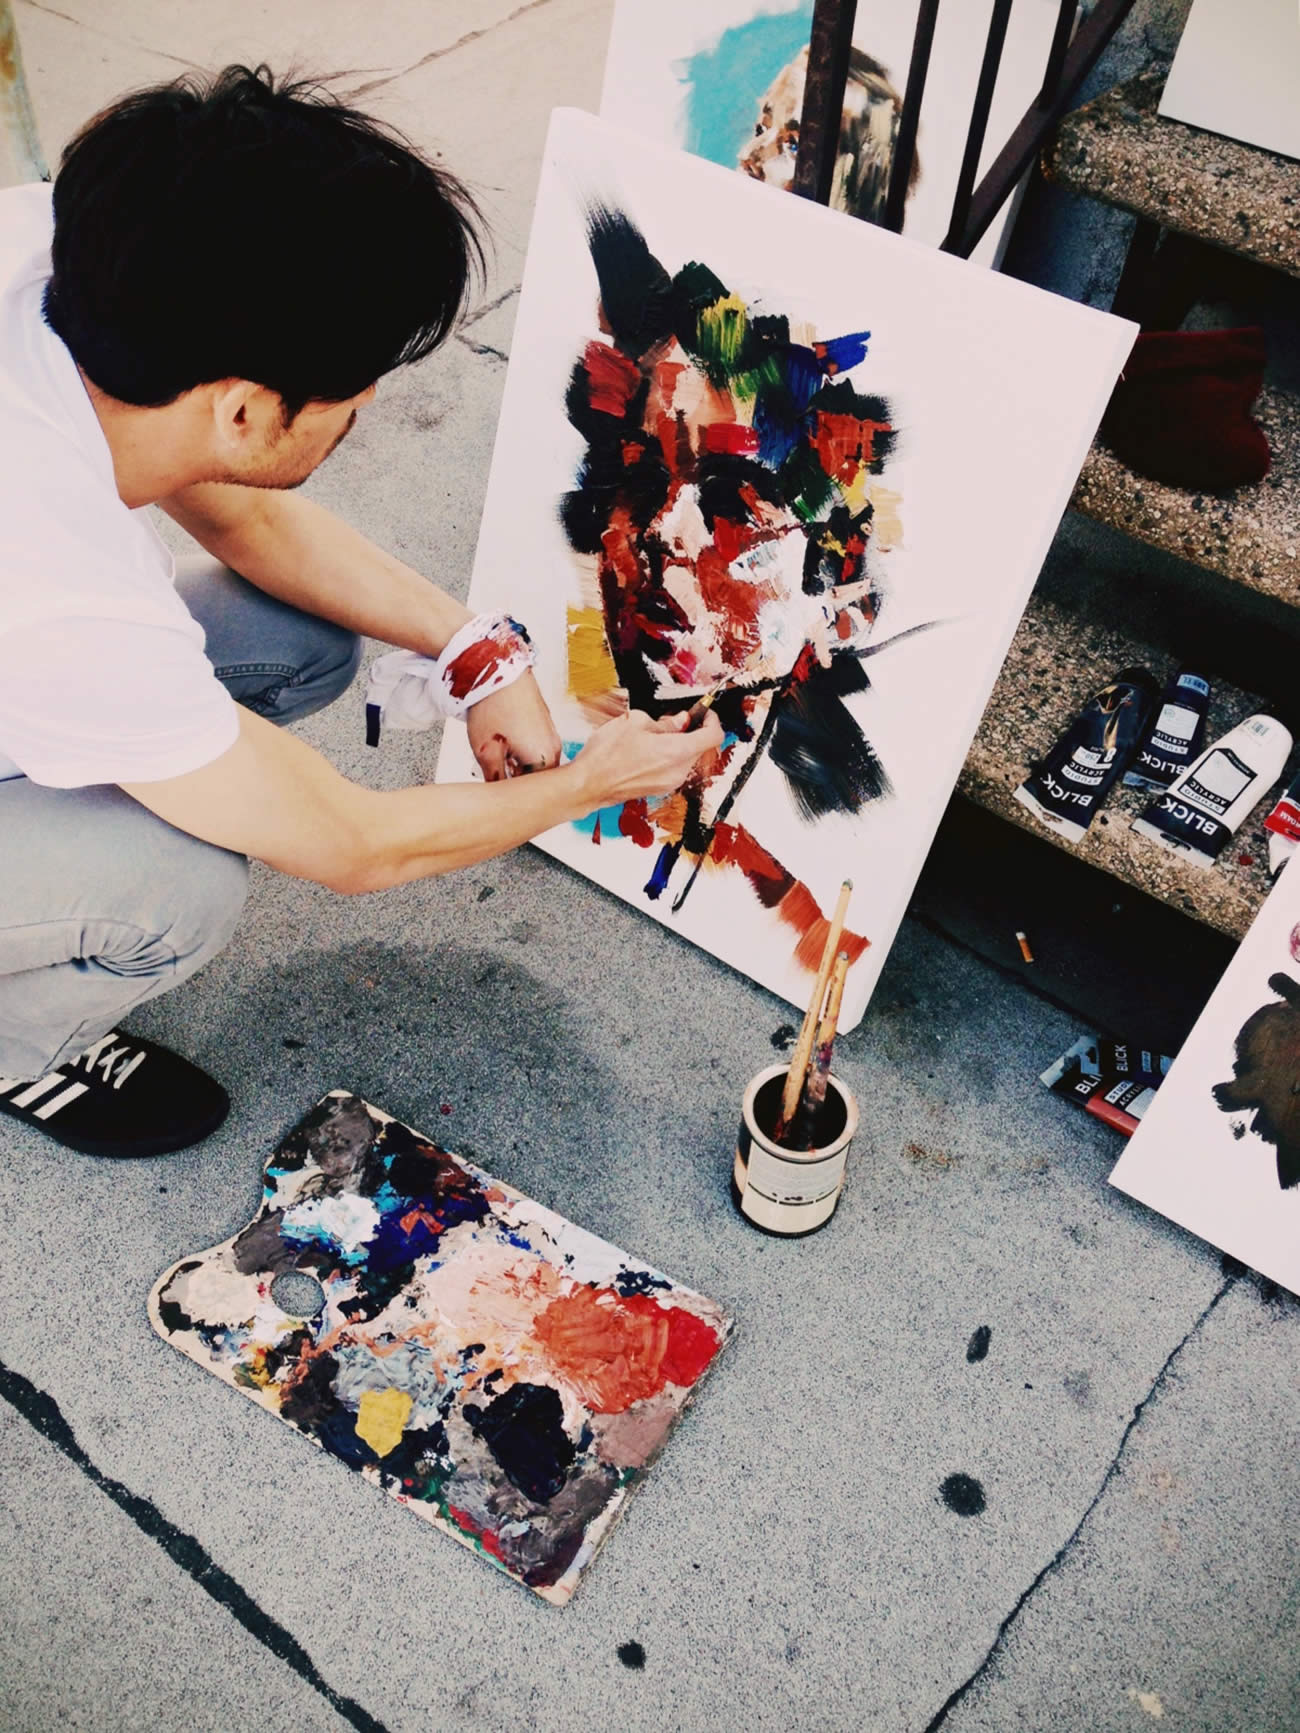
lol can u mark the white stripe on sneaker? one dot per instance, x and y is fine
(8, 1083)
(61, 1100)
(37, 1089)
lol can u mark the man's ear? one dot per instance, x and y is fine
(244, 415)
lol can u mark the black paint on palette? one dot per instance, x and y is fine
(1266, 1077)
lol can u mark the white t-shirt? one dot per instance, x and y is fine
(102, 671)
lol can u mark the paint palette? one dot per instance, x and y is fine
(504, 1374)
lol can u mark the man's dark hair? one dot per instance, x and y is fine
(234, 227)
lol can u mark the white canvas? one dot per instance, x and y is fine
(996, 389)
(1219, 1149)
(692, 73)
(1237, 72)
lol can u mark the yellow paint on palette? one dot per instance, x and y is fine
(381, 1418)
(591, 667)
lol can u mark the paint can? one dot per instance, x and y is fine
(790, 1192)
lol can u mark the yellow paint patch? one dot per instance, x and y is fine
(591, 667)
(381, 1417)
(887, 522)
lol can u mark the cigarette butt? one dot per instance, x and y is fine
(1025, 951)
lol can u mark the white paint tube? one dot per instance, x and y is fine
(1283, 826)
(1204, 807)
(1175, 736)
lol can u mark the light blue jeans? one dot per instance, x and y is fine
(102, 905)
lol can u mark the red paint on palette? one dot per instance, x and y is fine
(1295, 943)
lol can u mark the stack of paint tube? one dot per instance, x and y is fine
(1200, 794)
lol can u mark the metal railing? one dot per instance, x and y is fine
(1071, 57)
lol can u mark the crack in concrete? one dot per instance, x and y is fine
(44, 1415)
(439, 53)
(491, 307)
(1058, 1558)
(483, 349)
(108, 35)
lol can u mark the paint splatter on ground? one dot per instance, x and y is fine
(978, 1346)
(499, 1371)
(963, 1495)
(632, 1655)
(1148, 1701)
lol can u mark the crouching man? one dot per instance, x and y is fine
(195, 320)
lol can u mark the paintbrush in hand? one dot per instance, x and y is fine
(796, 1075)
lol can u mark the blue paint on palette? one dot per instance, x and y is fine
(726, 81)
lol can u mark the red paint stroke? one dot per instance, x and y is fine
(770, 882)
(692, 1343)
(484, 1536)
(612, 378)
(730, 438)
(733, 603)
(616, 1349)
(844, 443)
(808, 952)
(634, 823)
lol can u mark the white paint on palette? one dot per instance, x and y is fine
(995, 389)
(1237, 72)
(694, 73)
(1219, 1149)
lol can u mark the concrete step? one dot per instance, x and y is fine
(1055, 664)
(1250, 536)
(1117, 149)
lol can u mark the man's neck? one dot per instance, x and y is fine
(155, 452)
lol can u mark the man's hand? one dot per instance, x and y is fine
(633, 757)
(511, 732)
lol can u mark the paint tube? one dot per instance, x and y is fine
(1208, 801)
(1283, 825)
(1176, 735)
(1115, 1081)
(1068, 787)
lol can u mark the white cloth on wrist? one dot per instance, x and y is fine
(407, 690)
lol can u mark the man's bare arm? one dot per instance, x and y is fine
(296, 550)
(274, 797)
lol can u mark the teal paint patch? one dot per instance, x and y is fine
(726, 81)
(606, 817)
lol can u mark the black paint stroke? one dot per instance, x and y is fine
(43, 1413)
(1266, 1077)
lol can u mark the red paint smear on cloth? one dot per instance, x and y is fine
(617, 1349)
(479, 661)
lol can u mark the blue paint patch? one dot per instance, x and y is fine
(726, 81)
(658, 880)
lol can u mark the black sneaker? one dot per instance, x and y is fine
(122, 1097)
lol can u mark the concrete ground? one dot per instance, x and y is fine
(171, 1559)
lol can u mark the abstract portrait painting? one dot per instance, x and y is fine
(503, 1374)
(725, 80)
(758, 453)
(1219, 1149)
